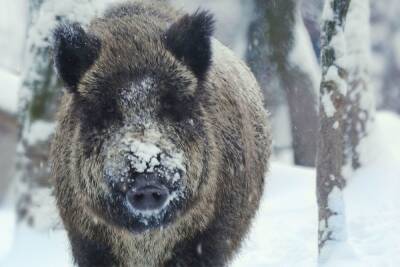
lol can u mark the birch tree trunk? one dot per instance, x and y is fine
(39, 95)
(274, 59)
(360, 104)
(331, 149)
(346, 112)
(37, 107)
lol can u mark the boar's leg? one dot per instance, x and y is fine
(89, 253)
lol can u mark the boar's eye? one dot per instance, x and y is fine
(177, 107)
(97, 111)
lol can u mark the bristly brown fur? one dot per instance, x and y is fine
(207, 102)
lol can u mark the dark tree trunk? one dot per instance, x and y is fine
(271, 42)
(385, 49)
(391, 83)
(8, 144)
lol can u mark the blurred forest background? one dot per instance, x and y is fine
(279, 39)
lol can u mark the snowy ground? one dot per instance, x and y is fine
(284, 233)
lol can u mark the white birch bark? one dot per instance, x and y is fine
(346, 113)
(39, 94)
(331, 150)
(360, 107)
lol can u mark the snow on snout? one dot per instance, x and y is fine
(149, 153)
(144, 156)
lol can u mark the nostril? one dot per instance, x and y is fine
(148, 197)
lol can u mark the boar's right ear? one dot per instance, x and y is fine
(189, 39)
(74, 52)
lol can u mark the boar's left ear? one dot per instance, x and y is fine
(74, 52)
(189, 39)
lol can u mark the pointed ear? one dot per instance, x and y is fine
(189, 39)
(74, 52)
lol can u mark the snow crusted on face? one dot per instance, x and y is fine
(137, 91)
(147, 157)
(145, 154)
(131, 153)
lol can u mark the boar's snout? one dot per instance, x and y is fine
(148, 193)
